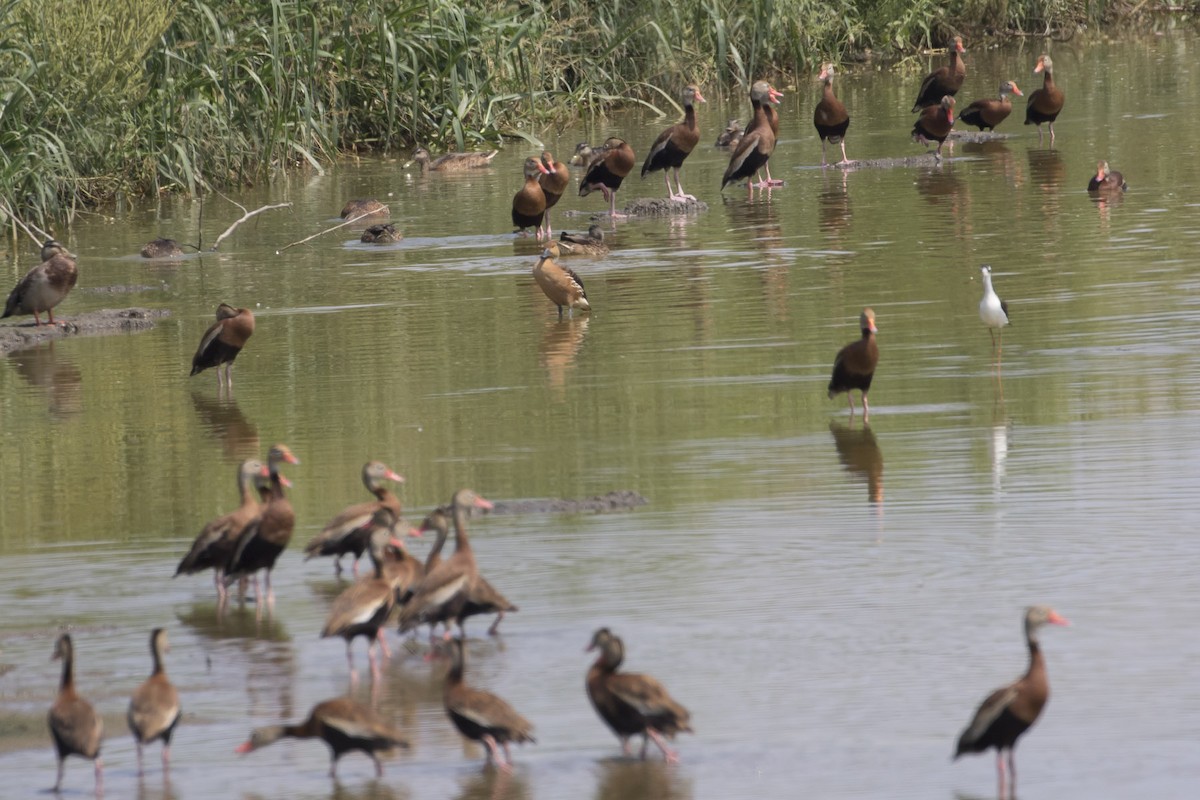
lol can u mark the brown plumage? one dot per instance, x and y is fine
(854, 367)
(223, 340)
(675, 144)
(344, 725)
(350, 531)
(1010, 710)
(583, 244)
(451, 162)
(830, 117)
(943, 81)
(214, 545)
(162, 248)
(529, 204)
(44, 286)
(561, 284)
(988, 113)
(934, 123)
(553, 182)
(369, 207)
(385, 233)
(607, 169)
(154, 708)
(482, 716)
(1106, 180)
(1044, 104)
(758, 142)
(266, 536)
(442, 592)
(631, 703)
(75, 726)
(731, 135)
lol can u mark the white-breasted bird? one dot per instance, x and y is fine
(992, 310)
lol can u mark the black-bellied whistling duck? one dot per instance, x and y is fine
(757, 143)
(1010, 710)
(606, 171)
(482, 716)
(586, 244)
(341, 723)
(675, 144)
(630, 703)
(529, 204)
(350, 531)
(992, 310)
(554, 182)
(731, 135)
(943, 81)
(215, 543)
(934, 124)
(385, 233)
(1044, 104)
(561, 284)
(44, 286)
(363, 607)
(222, 342)
(154, 708)
(261, 542)
(1107, 180)
(440, 594)
(854, 366)
(162, 248)
(987, 114)
(450, 162)
(830, 117)
(75, 726)
(369, 207)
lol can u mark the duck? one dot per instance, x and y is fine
(554, 182)
(830, 117)
(162, 248)
(1046, 103)
(992, 310)
(631, 703)
(946, 80)
(268, 535)
(44, 286)
(731, 135)
(366, 207)
(344, 725)
(561, 284)
(450, 162)
(772, 116)
(675, 144)
(154, 709)
(215, 543)
(349, 532)
(607, 169)
(588, 244)
(363, 607)
(757, 143)
(988, 113)
(482, 716)
(1107, 180)
(75, 726)
(529, 204)
(854, 366)
(584, 153)
(442, 592)
(222, 342)
(385, 233)
(1011, 710)
(934, 124)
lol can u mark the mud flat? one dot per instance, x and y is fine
(92, 323)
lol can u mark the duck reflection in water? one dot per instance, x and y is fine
(625, 779)
(559, 347)
(494, 785)
(57, 375)
(224, 421)
(833, 204)
(860, 456)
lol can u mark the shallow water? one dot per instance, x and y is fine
(830, 600)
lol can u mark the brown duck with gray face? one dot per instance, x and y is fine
(265, 538)
(154, 708)
(758, 142)
(223, 340)
(830, 117)
(529, 204)
(74, 724)
(986, 114)
(1046, 103)
(607, 170)
(934, 124)
(943, 81)
(482, 716)
(44, 286)
(854, 366)
(350, 531)
(675, 144)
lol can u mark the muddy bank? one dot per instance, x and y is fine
(613, 501)
(93, 323)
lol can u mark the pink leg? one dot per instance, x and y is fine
(845, 160)
(866, 408)
(1012, 772)
(771, 181)
(670, 755)
(350, 659)
(166, 758)
(99, 770)
(270, 591)
(1000, 773)
(625, 746)
(376, 674)
(670, 189)
(494, 753)
(383, 643)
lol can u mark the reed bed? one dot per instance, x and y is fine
(130, 97)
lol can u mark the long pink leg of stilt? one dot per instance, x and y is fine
(670, 755)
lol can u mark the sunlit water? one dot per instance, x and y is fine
(830, 600)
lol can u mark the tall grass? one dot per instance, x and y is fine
(118, 97)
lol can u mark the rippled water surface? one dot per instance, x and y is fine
(831, 600)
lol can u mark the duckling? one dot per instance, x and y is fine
(44, 286)
(385, 233)
(583, 244)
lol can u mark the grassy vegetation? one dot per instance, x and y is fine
(138, 96)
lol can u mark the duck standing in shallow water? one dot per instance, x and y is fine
(1046, 103)
(482, 716)
(854, 367)
(350, 531)
(44, 286)
(607, 170)
(529, 203)
(934, 124)
(675, 144)
(758, 142)
(561, 284)
(554, 182)
(74, 724)
(987, 114)
(830, 117)
(222, 342)
(154, 708)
